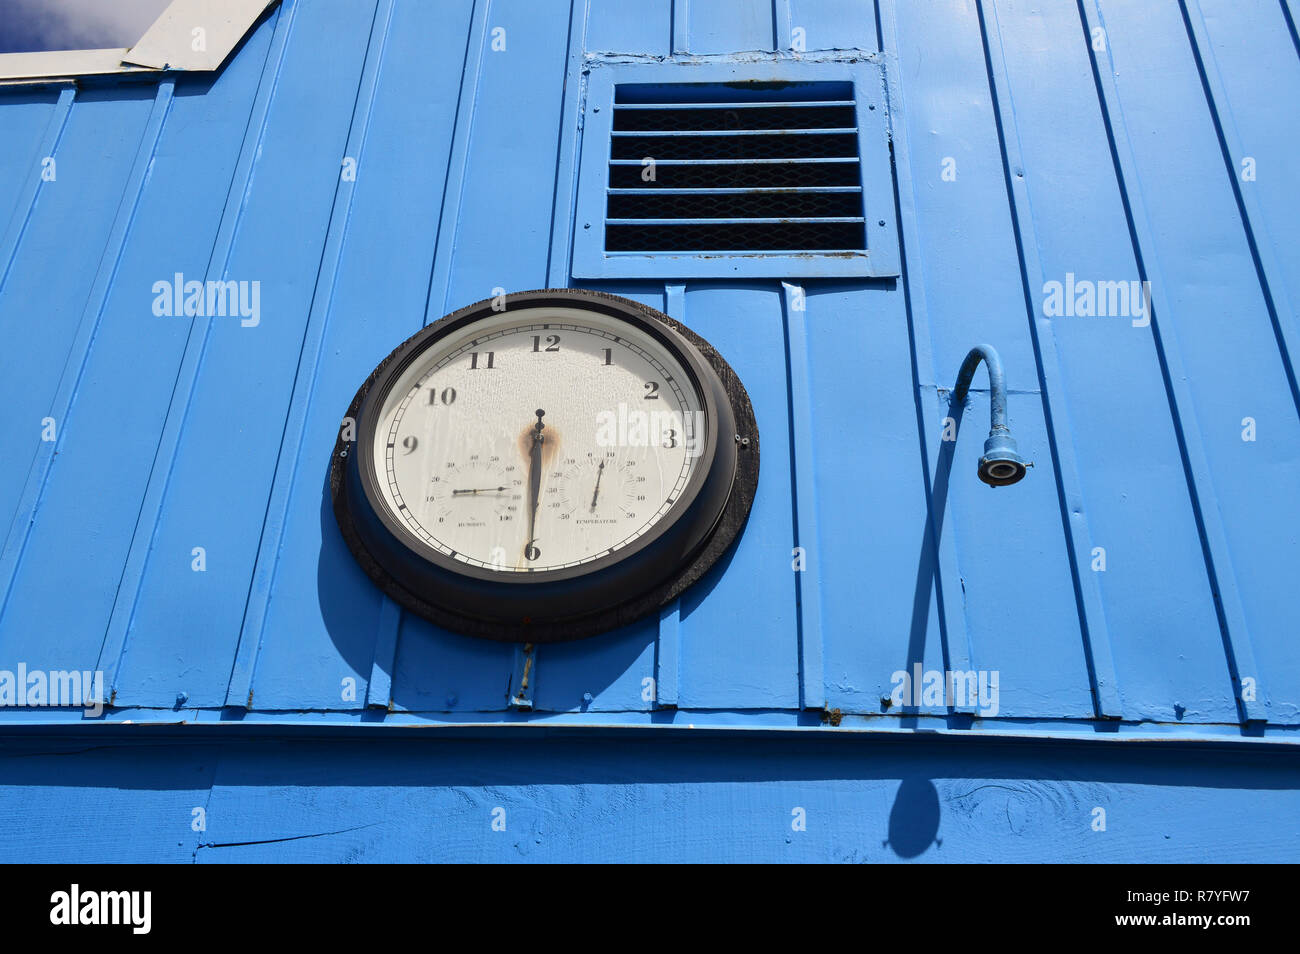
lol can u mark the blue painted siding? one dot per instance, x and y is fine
(961, 801)
(1103, 139)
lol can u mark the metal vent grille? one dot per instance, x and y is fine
(768, 171)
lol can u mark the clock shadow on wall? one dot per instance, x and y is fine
(447, 671)
(552, 468)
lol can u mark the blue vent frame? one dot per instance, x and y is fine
(770, 81)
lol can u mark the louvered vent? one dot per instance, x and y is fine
(694, 170)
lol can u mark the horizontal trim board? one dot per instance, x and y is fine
(617, 133)
(756, 191)
(734, 221)
(205, 724)
(775, 104)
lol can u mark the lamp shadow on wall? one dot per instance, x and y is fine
(914, 818)
(927, 574)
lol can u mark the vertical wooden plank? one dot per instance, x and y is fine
(45, 110)
(1074, 514)
(669, 643)
(755, 664)
(681, 27)
(83, 214)
(17, 502)
(782, 28)
(1231, 478)
(939, 555)
(559, 253)
(91, 316)
(1011, 553)
(322, 607)
(812, 676)
(216, 462)
(1124, 442)
(293, 176)
(291, 445)
(1241, 51)
(729, 26)
(614, 27)
(832, 24)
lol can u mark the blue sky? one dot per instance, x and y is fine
(31, 25)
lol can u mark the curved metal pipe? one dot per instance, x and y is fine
(1001, 464)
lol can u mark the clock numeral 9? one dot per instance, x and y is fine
(410, 443)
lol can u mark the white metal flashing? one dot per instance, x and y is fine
(189, 35)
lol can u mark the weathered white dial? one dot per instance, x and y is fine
(538, 439)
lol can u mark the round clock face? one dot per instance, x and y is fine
(501, 445)
(547, 469)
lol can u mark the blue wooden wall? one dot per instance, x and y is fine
(1111, 140)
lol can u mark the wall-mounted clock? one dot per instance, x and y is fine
(545, 467)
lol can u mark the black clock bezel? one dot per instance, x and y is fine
(573, 602)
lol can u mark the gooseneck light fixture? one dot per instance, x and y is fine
(1001, 464)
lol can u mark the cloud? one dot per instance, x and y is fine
(32, 25)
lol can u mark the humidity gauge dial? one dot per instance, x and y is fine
(545, 467)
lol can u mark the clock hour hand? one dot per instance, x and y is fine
(534, 484)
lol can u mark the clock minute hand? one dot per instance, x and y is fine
(534, 481)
